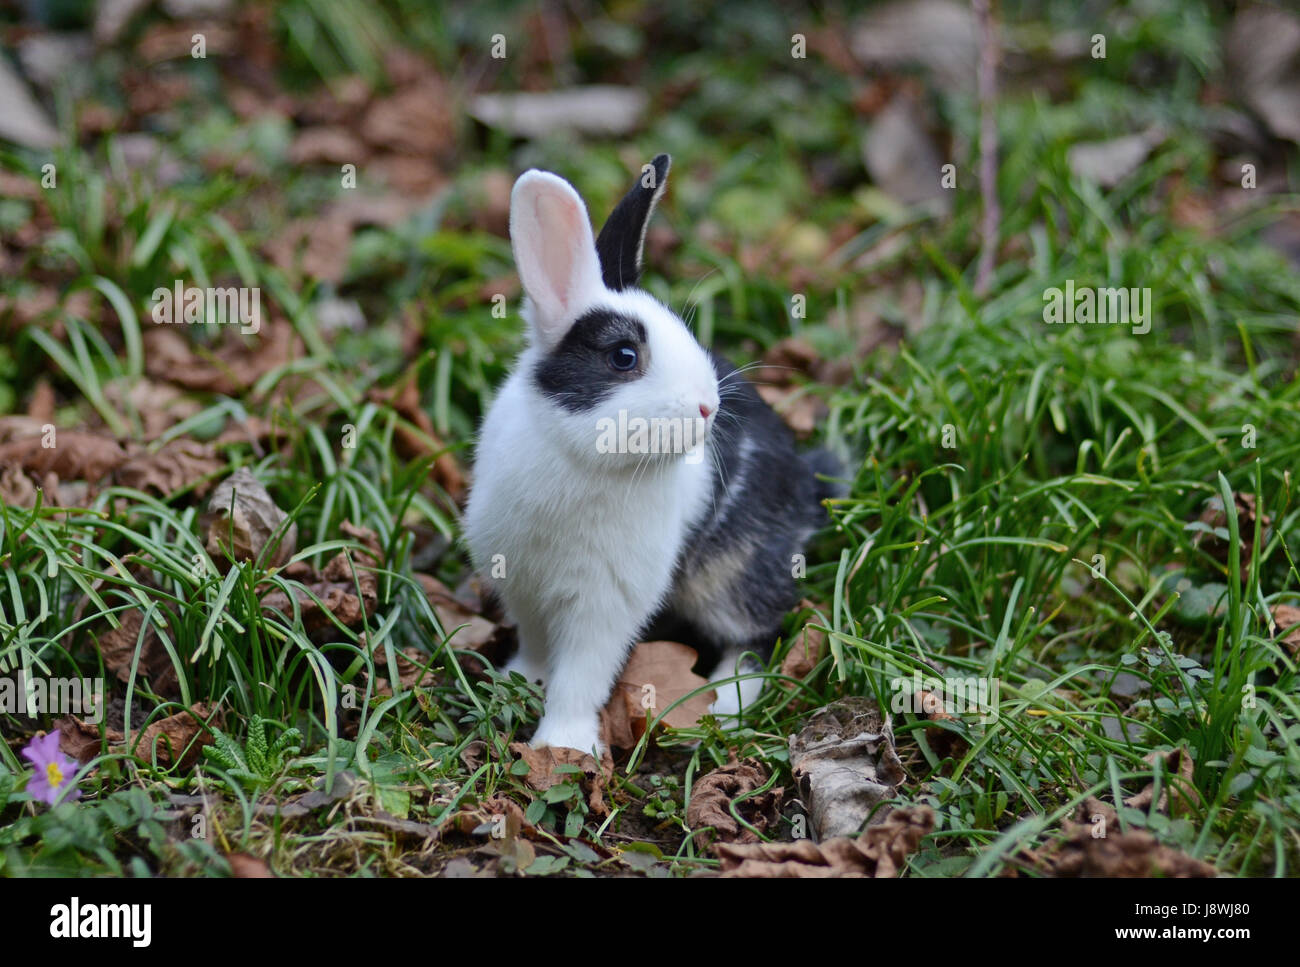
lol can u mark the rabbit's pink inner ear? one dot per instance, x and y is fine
(554, 250)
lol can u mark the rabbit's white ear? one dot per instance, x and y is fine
(555, 251)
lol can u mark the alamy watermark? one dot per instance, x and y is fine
(931, 695)
(83, 697)
(655, 435)
(1083, 305)
(231, 305)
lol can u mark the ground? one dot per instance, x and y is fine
(252, 536)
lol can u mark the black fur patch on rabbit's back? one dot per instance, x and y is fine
(738, 563)
(576, 374)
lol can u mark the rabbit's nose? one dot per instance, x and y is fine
(705, 410)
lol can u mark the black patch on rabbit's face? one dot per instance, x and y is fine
(578, 374)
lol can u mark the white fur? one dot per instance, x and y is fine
(733, 697)
(587, 541)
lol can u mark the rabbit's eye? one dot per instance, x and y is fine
(623, 357)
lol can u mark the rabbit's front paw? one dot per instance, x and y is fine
(581, 734)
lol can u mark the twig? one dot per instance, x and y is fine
(987, 86)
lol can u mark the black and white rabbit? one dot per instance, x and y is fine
(591, 548)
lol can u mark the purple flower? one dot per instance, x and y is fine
(54, 770)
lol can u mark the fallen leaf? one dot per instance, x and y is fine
(713, 794)
(327, 144)
(160, 405)
(1094, 846)
(844, 764)
(319, 247)
(939, 35)
(796, 406)
(511, 823)
(420, 440)
(230, 367)
(945, 743)
(469, 630)
(1261, 54)
(1215, 518)
(1286, 616)
(880, 852)
(177, 466)
(174, 41)
(600, 109)
(1109, 162)
(542, 775)
(82, 740)
(347, 594)
(1177, 775)
(901, 157)
(40, 408)
(245, 867)
(118, 648)
(172, 736)
(242, 519)
(71, 454)
(459, 869)
(808, 649)
(23, 121)
(411, 671)
(656, 675)
(418, 120)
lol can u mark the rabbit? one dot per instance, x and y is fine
(592, 547)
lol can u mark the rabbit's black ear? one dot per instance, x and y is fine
(623, 237)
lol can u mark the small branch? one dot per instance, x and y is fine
(987, 86)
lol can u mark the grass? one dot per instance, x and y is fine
(1023, 506)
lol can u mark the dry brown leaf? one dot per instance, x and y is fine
(314, 248)
(417, 121)
(231, 367)
(1094, 846)
(160, 405)
(657, 674)
(421, 440)
(808, 649)
(327, 144)
(40, 408)
(81, 740)
(880, 852)
(71, 454)
(319, 247)
(713, 794)
(171, 737)
(1177, 776)
(118, 648)
(475, 632)
(542, 775)
(245, 867)
(406, 174)
(943, 742)
(844, 764)
(785, 360)
(178, 465)
(347, 592)
(465, 821)
(174, 41)
(241, 519)
(798, 408)
(1214, 516)
(411, 671)
(1286, 616)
